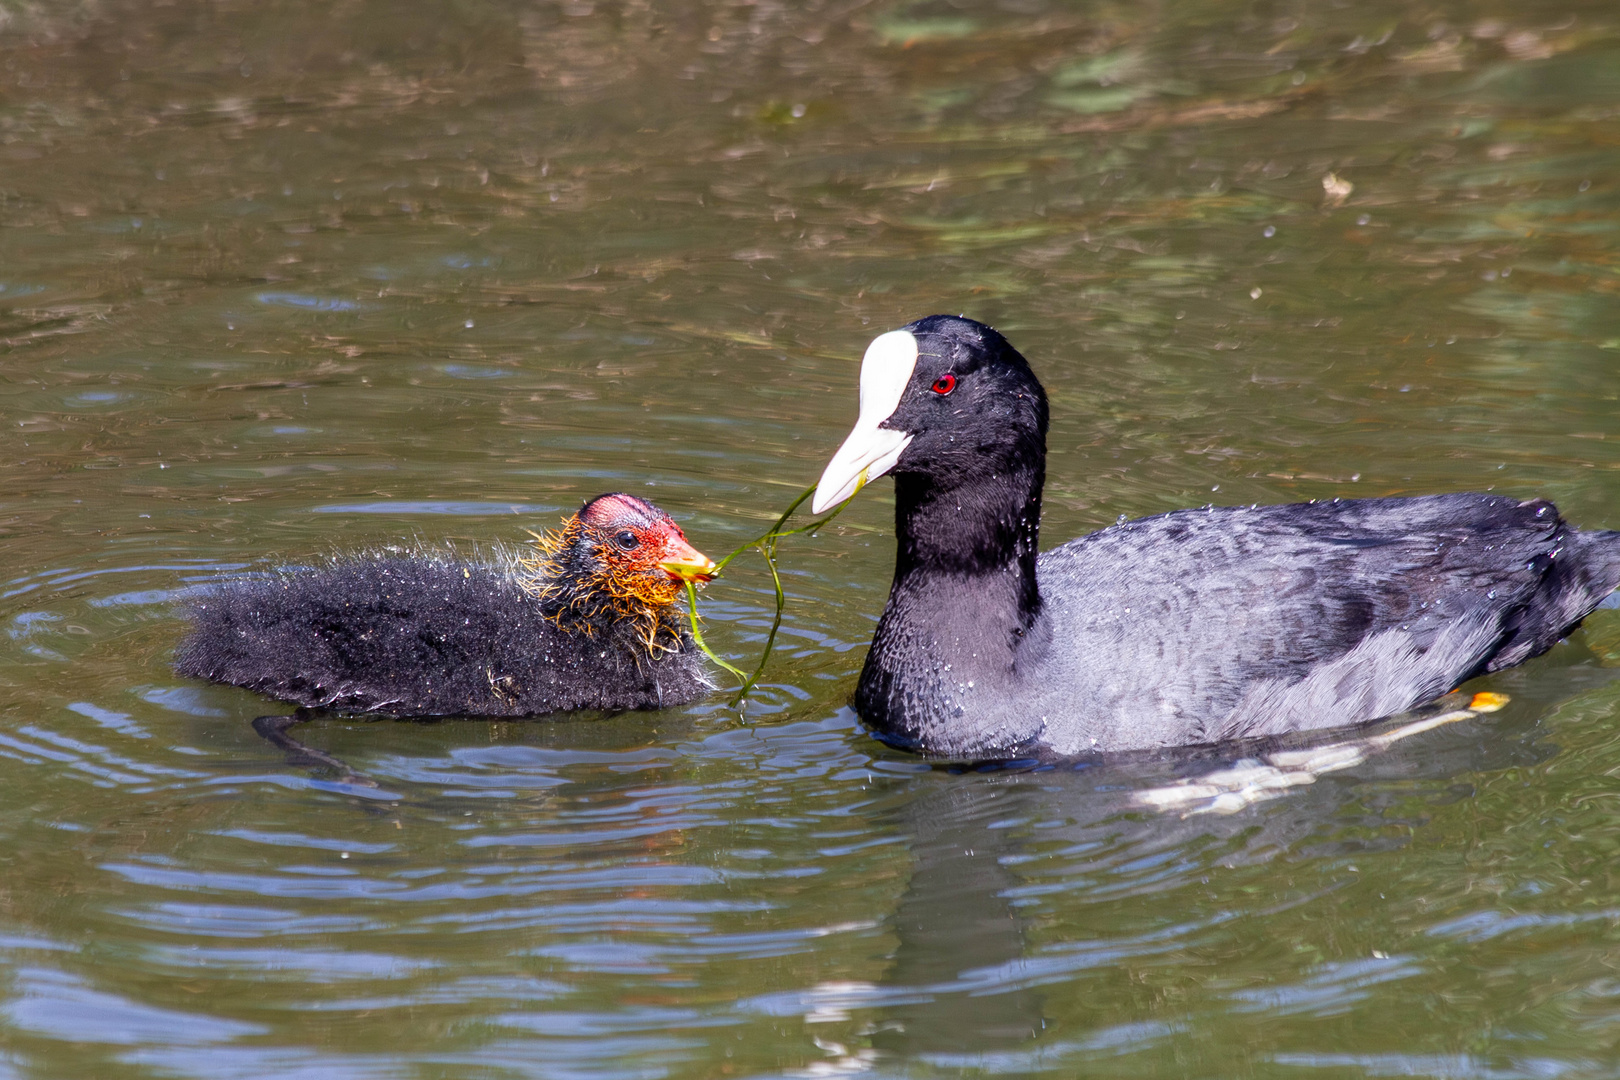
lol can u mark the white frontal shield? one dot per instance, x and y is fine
(870, 450)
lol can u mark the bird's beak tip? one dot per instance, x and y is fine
(687, 563)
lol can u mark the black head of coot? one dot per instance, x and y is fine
(972, 407)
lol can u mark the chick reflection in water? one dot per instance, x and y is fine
(589, 621)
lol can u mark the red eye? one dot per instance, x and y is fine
(944, 384)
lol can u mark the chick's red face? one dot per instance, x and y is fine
(645, 552)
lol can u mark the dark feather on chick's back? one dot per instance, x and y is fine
(583, 624)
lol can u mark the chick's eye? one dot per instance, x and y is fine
(627, 540)
(944, 384)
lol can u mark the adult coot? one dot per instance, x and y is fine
(1191, 627)
(589, 623)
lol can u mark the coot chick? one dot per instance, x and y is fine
(589, 622)
(1191, 627)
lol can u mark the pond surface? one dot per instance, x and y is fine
(278, 280)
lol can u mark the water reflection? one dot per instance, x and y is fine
(1000, 860)
(961, 936)
(315, 278)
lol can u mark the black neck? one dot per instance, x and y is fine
(987, 526)
(963, 611)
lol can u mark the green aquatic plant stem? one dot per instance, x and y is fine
(697, 635)
(766, 545)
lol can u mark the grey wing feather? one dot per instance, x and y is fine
(1250, 621)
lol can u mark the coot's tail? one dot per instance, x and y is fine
(1580, 573)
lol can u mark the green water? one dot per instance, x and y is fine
(281, 279)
